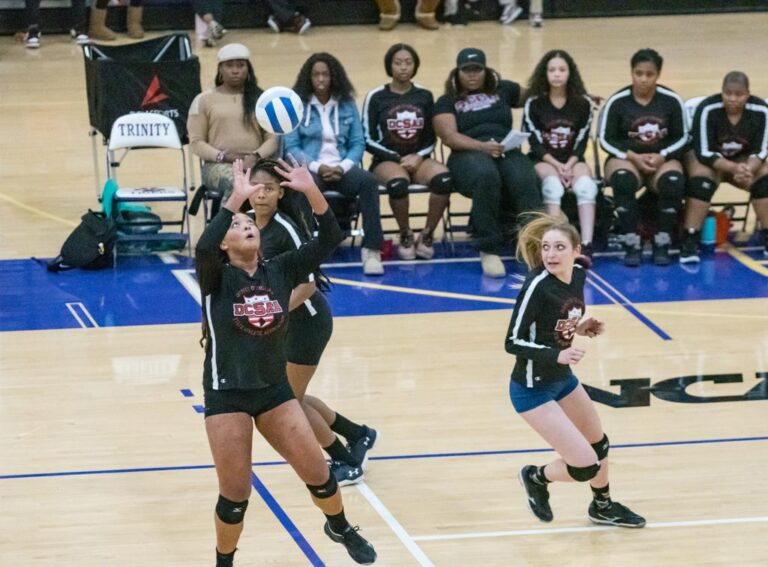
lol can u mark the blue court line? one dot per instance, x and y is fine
(385, 458)
(622, 301)
(283, 518)
(187, 393)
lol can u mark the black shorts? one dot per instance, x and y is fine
(308, 334)
(252, 402)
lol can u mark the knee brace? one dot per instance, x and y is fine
(671, 187)
(625, 184)
(397, 188)
(585, 190)
(230, 512)
(759, 189)
(325, 490)
(441, 184)
(601, 447)
(700, 188)
(552, 190)
(583, 474)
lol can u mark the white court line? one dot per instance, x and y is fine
(71, 307)
(167, 257)
(610, 288)
(516, 533)
(189, 282)
(394, 525)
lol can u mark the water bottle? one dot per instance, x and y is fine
(708, 232)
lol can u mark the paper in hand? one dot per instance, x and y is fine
(514, 140)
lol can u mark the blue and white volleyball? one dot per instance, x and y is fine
(279, 110)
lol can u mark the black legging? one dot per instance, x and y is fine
(77, 14)
(285, 10)
(494, 185)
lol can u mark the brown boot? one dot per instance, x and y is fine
(97, 28)
(389, 14)
(135, 16)
(425, 14)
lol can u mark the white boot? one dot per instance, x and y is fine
(372, 265)
(493, 267)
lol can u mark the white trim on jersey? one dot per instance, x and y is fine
(527, 118)
(214, 366)
(614, 151)
(703, 137)
(532, 331)
(425, 152)
(366, 125)
(684, 139)
(584, 132)
(296, 242)
(764, 146)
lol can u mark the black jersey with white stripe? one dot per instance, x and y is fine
(282, 235)
(715, 137)
(246, 315)
(655, 128)
(398, 124)
(559, 132)
(543, 324)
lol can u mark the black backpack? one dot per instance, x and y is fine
(90, 245)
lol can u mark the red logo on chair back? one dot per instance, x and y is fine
(153, 94)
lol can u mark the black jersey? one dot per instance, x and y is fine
(715, 137)
(483, 116)
(246, 315)
(656, 128)
(543, 323)
(282, 235)
(397, 125)
(559, 132)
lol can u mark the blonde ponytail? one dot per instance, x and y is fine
(530, 236)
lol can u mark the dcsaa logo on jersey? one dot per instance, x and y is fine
(566, 328)
(259, 309)
(559, 136)
(406, 122)
(732, 147)
(648, 130)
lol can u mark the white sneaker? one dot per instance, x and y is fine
(493, 267)
(372, 265)
(406, 249)
(424, 247)
(272, 23)
(33, 39)
(535, 20)
(510, 13)
(80, 38)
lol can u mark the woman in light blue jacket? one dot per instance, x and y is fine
(330, 140)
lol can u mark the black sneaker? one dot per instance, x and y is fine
(359, 549)
(689, 249)
(661, 244)
(615, 515)
(632, 250)
(345, 473)
(32, 40)
(360, 448)
(537, 494)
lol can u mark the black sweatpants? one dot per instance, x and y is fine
(508, 183)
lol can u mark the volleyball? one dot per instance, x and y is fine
(279, 110)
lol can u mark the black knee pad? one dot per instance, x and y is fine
(441, 184)
(325, 490)
(701, 188)
(601, 447)
(230, 512)
(625, 184)
(759, 189)
(397, 188)
(671, 187)
(583, 474)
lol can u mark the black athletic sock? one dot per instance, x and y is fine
(348, 429)
(538, 477)
(602, 496)
(338, 452)
(225, 559)
(338, 522)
